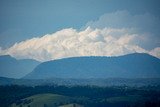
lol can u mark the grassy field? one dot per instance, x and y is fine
(44, 100)
(55, 100)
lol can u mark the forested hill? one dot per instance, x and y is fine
(137, 65)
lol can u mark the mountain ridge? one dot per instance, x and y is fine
(13, 68)
(136, 65)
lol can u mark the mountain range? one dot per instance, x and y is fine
(13, 68)
(136, 65)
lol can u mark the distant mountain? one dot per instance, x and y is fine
(12, 68)
(137, 65)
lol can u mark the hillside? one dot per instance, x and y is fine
(13, 68)
(137, 65)
(44, 100)
(78, 96)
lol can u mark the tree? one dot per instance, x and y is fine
(45, 105)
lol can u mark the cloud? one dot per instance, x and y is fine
(145, 24)
(155, 52)
(113, 34)
(124, 19)
(70, 42)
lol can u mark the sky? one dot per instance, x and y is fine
(50, 29)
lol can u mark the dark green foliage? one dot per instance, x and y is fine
(90, 96)
(45, 105)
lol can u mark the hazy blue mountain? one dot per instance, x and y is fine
(13, 68)
(137, 65)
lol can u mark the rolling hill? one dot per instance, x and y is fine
(136, 65)
(13, 68)
(44, 100)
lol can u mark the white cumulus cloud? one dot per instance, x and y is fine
(113, 34)
(155, 52)
(145, 24)
(70, 42)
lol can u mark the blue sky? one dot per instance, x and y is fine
(65, 28)
(24, 19)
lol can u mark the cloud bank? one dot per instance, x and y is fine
(69, 43)
(146, 24)
(113, 34)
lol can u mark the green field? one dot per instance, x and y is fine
(45, 100)
(55, 100)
